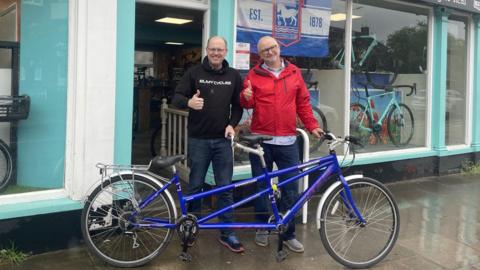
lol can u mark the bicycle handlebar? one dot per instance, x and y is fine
(389, 88)
(335, 141)
(413, 88)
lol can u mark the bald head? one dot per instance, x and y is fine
(265, 40)
(217, 39)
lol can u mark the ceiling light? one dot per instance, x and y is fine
(341, 17)
(174, 20)
(173, 43)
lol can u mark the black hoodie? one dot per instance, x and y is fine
(219, 89)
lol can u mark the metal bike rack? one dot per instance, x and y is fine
(306, 157)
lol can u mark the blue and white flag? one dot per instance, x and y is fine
(300, 26)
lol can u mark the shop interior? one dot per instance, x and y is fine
(164, 50)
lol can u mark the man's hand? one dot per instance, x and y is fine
(196, 102)
(247, 92)
(229, 132)
(318, 132)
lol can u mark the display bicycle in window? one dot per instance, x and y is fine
(370, 56)
(395, 118)
(12, 109)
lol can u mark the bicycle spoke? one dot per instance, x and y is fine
(112, 232)
(348, 240)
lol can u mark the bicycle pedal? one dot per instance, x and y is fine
(185, 257)
(281, 255)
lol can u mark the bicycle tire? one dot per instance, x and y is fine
(359, 117)
(6, 165)
(322, 122)
(345, 239)
(155, 141)
(105, 221)
(400, 125)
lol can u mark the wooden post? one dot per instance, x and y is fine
(163, 119)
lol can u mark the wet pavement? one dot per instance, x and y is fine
(439, 229)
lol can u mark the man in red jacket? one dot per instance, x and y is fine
(276, 92)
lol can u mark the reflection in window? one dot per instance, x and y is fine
(323, 32)
(389, 48)
(456, 81)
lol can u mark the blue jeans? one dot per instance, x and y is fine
(284, 156)
(219, 152)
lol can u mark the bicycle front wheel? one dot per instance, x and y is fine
(6, 165)
(351, 243)
(109, 228)
(400, 125)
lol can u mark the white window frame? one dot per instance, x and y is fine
(470, 36)
(429, 83)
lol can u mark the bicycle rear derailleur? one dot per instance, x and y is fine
(187, 229)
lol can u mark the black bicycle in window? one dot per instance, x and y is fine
(12, 109)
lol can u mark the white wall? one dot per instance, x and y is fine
(91, 89)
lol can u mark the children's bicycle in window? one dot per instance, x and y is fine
(130, 216)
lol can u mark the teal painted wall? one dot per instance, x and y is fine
(124, 81)
(43, 76)
(476, 86)
(440, 33)
(222, 23)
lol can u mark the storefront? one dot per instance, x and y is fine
(74, 61)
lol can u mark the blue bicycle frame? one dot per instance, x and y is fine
(328, 166)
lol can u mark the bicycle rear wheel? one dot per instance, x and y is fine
(6, 165)
(322, 122)
(400, 125)
(345, 238)
(108, 225)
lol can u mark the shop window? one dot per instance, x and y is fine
(310, 36)
(455, 117)
(388, 98)
(33, 76)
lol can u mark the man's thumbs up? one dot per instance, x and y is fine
(247, 92)
(196, 102)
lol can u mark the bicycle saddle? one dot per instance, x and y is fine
(254, 139)
(159, 162)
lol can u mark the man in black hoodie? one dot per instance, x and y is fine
(211, 93)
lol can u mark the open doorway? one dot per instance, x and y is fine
(163, 52)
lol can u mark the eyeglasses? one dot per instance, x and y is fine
(216, 50)
(269, 49)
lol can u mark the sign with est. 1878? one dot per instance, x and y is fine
(467, 5)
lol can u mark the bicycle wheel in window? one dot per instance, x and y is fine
(108, 226)
(400, 125)
(360, 123)
(347, 240)
(6, 165)
(322, 122)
